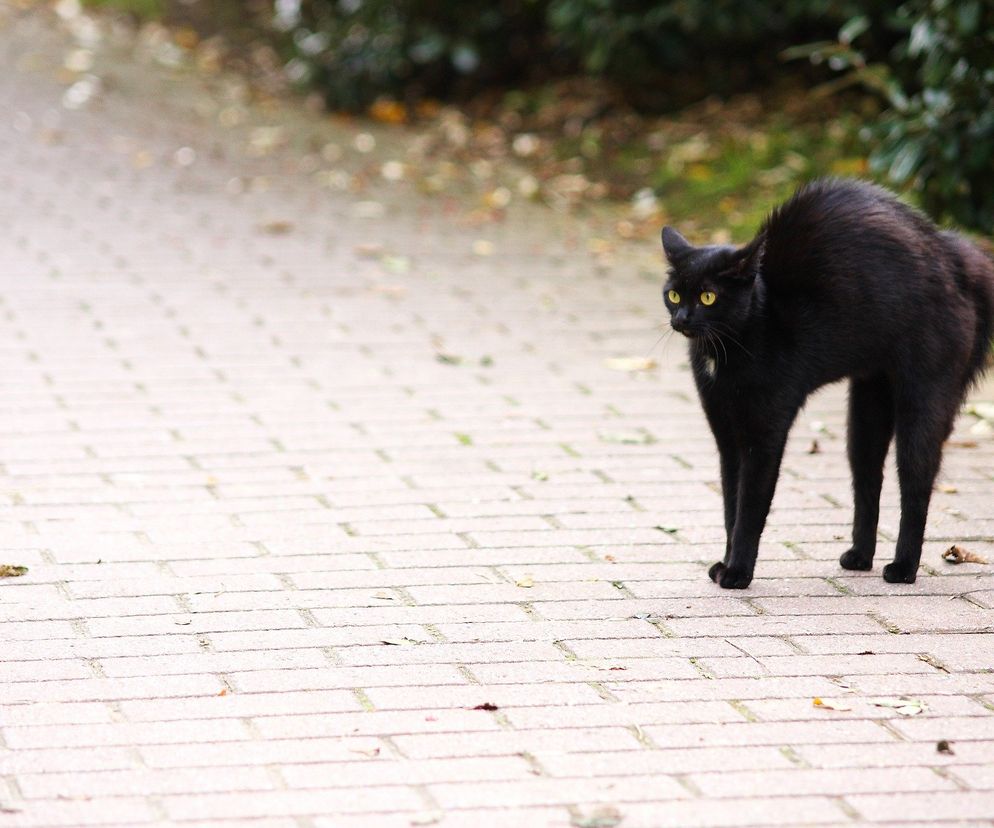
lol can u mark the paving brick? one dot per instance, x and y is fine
(279, 553)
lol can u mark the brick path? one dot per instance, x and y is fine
(280, 552)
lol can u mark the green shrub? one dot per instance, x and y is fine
(358, 50)
(936, 134)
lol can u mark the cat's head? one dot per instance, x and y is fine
(710, 289)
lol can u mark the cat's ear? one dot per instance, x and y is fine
(674, 244)
(749, 260)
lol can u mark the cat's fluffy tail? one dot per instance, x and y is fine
(976, 277)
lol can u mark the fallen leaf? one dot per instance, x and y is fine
(277, 228)
(831, 704)
(482, 247)
(368, 250)
(486, 706)
(448, 359)
(400, 642)
(669, 530)
(540, 475)
(395, 264)
(12, 571)
(631, 363)
(388, 111)
(943, 746)
(947, 488)
(385, 596)
(183, 622)
(902, 705)
(223, 691)
(957, 555)
(815, 448)
(962, 443)
(525, 582)
(366, 751)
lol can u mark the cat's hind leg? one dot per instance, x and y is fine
(923, 423)
(871, 426)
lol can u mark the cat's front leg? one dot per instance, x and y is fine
(723, 430)
(757, 481)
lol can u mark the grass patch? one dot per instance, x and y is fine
(144, 9)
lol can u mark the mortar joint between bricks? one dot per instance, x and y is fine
(893, 731)
(603, 692)
(551, 520)
(687, 784)
(376, 559)
(838, 586)
(533, 762)
(95, 667)
(892, 628)
(430, 803)
(286, 580)
(658, 625)
(467, 674)
(700, 668)
(742, 709)
(405, 597)
(793, 757)
(949, 775)
(846, 808)
(467, 539)
(528, 609)
(156, 807)
(643, 738)
(363, 698)
(566, 650)
(932, 661)
(308, 617)
(790, 642)
(624, 590)
(435, 633)
(183, 602)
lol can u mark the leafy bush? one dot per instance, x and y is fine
(358, 50)
(716, 45)
(937, 133)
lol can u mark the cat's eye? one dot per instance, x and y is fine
(674, 297)
(708, 297)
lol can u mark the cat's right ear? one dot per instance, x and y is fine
(674, 244)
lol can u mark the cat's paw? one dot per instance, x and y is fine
(728, 578)
(854, 560)
(898, 574)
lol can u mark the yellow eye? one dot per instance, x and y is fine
(708, 297)
(674, 297)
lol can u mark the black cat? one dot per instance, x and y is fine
(842, 280)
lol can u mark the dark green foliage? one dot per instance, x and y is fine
(937, 133)
(358, 50)
(714, 45)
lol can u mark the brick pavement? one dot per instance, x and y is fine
(280, 552)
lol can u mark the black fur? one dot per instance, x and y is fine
(842, 280)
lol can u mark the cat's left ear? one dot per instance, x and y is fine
(674, 244)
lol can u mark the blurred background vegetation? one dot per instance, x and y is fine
(707, 104)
